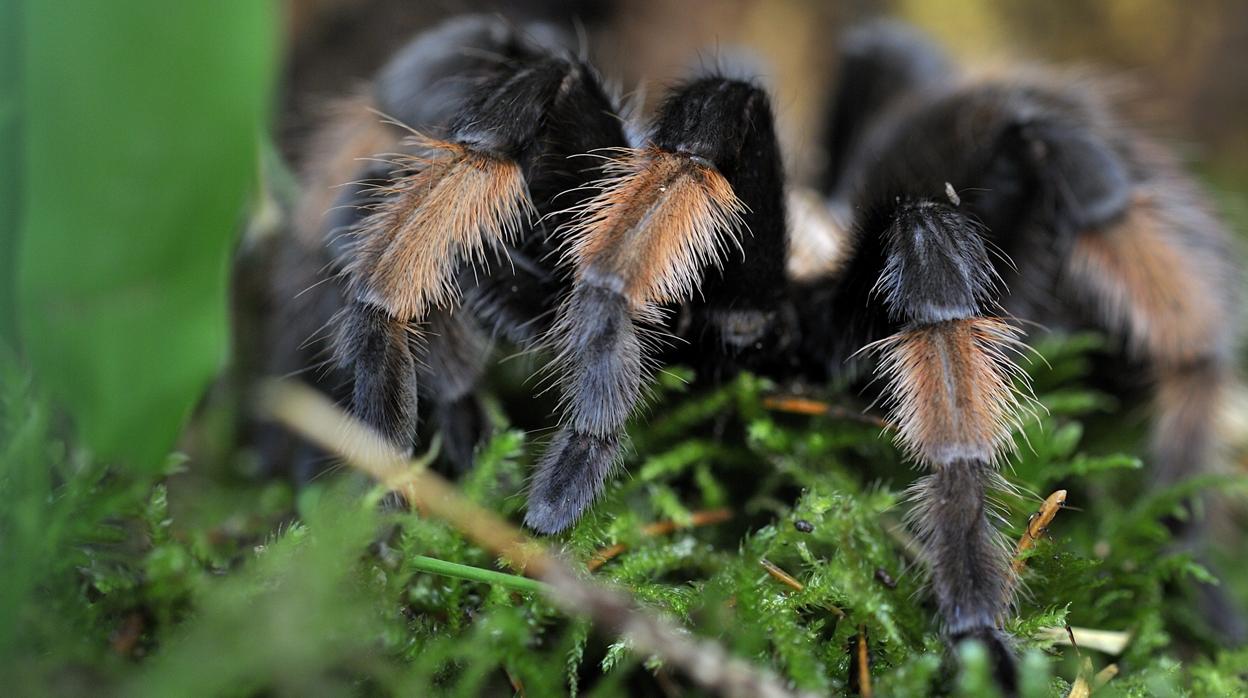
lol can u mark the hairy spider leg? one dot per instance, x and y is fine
(671, 217)
(938, 186)
(950, 386)
(345, 177)
(455, 200)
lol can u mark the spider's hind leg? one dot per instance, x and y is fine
(451, 363)
(1162, 278)
(1159, 278)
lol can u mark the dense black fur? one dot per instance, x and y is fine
(427, 82)
(508, 112)
(553, 145)
(1032, 165)
(1027, 166)
(518, 298)
(603, 360)
(454, 361)
(937, 267)
(569, 478)
(966, 557)
(741, 321)
(377, 349)
(600, 359)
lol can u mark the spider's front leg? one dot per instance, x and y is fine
(950, 387)
(700, 207)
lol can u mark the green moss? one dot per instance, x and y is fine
(145, 584)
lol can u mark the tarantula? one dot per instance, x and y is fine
(496, 189)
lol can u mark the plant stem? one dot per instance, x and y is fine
(476, 574)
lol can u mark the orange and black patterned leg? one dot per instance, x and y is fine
(951, 391)
(671, 218)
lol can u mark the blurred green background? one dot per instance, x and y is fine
(141, 144)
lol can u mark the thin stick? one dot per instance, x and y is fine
(605, 555)
(516, 684)
(864, 664)
(1104, 675)
(659, 528)
(815, 408)
(1081, 688)
(788, 580)
(1111, 642)
(781, 576)
(707, 664)
(1107, 641)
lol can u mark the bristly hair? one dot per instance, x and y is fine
(953, 388)
(456, 204)
(378, 349)
(956, 520)
(938, 266)
(659, 219)
(355, 132)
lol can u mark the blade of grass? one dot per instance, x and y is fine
(476, 574)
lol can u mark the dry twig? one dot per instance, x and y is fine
(801, 405)
(659, 528)
(1084, 687)
(1104, 675)
(788, 580)
(1081, 688)
(864, 664)
(706, 663)
(1111, 642)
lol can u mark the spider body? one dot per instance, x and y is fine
(514, 204)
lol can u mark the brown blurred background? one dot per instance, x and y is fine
(1186, 62)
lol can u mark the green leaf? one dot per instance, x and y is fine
(141, 121)
(1086, 465)
(11, 47)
